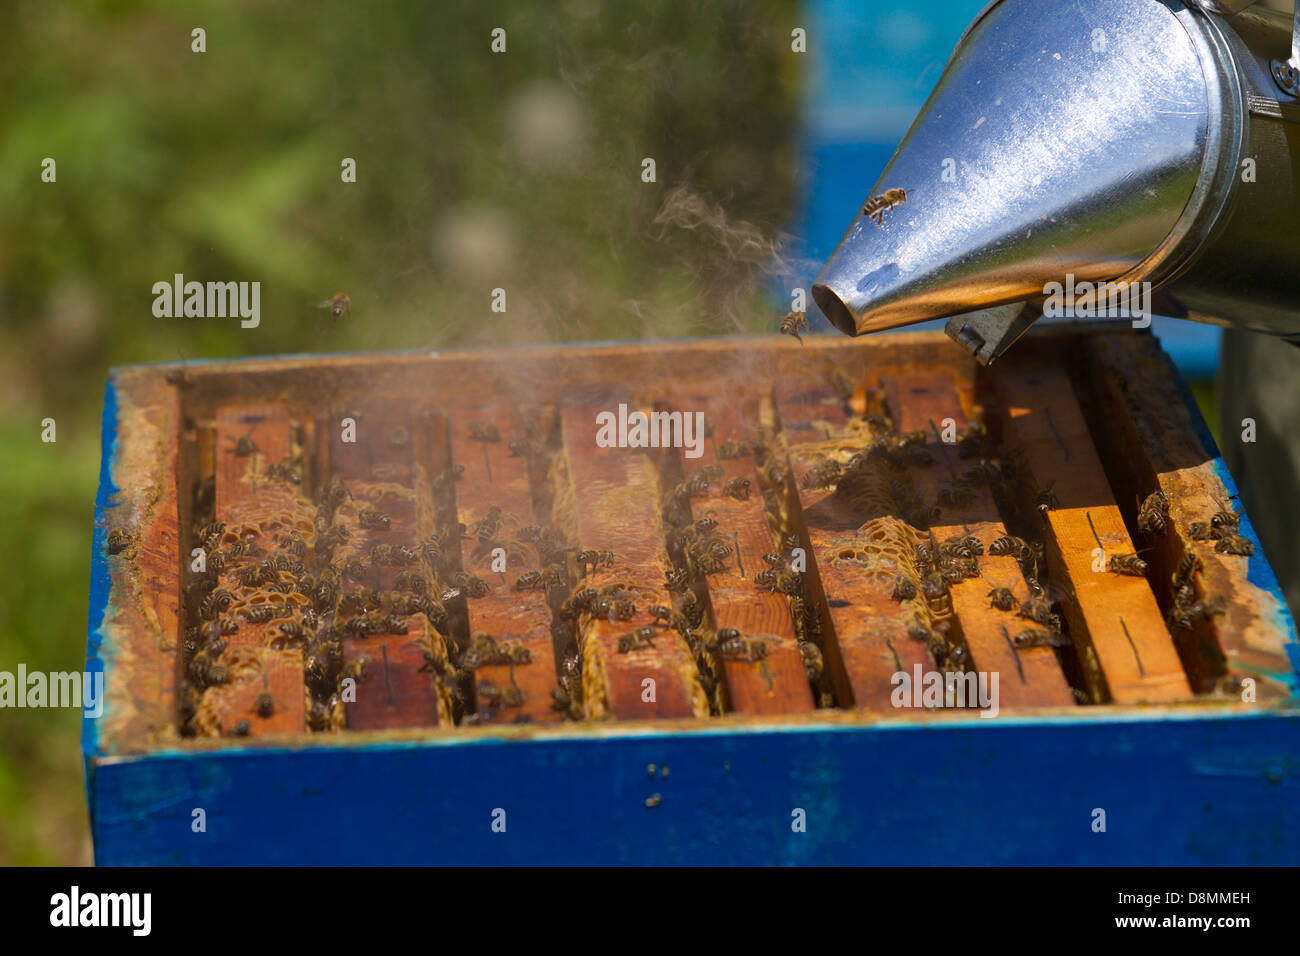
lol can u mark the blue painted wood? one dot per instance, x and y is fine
(1178, 791)
(100, 582)
(1258, 571)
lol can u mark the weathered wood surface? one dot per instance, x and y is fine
(778, 683)
(496, 477)
(1112, 615)
(1031, 677)
(396, 688)
(616, 493)
(1126, 383)
(865, 631)
(247, 499)
(1145, 432)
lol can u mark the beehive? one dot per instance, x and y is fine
(691, 659)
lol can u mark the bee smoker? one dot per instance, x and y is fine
(1121, 141)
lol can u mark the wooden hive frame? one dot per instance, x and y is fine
(1089, 420)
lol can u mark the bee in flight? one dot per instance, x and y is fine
(338, 305)
(876, 206)
(793, 322)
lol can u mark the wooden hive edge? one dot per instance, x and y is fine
(142, 725)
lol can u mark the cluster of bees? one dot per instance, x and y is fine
(1222, 530)
(209, 606)
(1186, 610)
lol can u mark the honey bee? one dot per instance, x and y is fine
(373, 520)
(1039, 637)
(737, 488)
(1009, 545)
(615, 609)
(961, 546)
(1045, 501)
(1129, 564)
(240, 729)
(529, 581)
(211, 533)
(594, 558)
(1153, 514)
(812, 660)
(1185, 614)
(283, 472)
(338, 304)
(876, 207)
(697, 486)
(730, 644)
(218, 600)
(1234, 544)
(933, 586)
(293, 629)
(824, 474)
(244, 445)
(735, 449)
(1200, 531)
(509, 696)
(265, 704)
(640, 639)
(692, 609)
(904, 589)
(261, 613)
(1002, 599)
(432, 549)
(562, 702)
(118, 541)
(1223, 519)
(792, 323)
(489, 525)
(472, 586)
(662, 614)
(676, 580)
(1039, 611)
(355, 670)
(1189, 564)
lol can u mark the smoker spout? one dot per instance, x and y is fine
(1099, 141)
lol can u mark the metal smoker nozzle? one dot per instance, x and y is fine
(1121, 141)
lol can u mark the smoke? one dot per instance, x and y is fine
(732, 260)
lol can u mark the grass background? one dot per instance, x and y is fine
(474, 171)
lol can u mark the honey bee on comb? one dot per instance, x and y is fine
(1153, 515)
(1129, 564)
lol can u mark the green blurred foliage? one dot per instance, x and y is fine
(475, 171)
